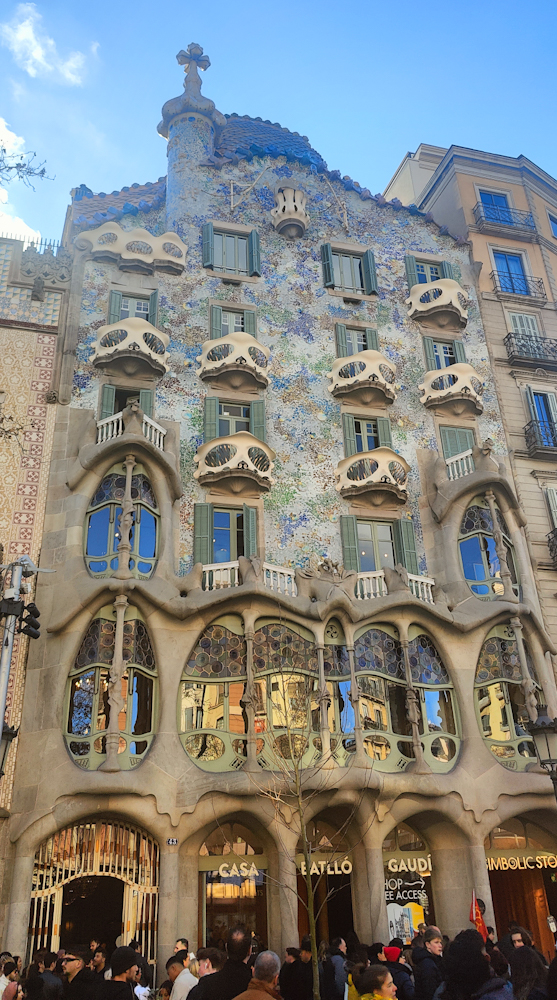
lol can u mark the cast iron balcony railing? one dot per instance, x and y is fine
(518, 284)
(552, 545)
(528, 347)
(489, 216)
(541, 435)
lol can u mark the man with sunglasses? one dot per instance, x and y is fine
(80, 981)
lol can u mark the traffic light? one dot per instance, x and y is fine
(29, 621)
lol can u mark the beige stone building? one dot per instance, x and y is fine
(285, 527)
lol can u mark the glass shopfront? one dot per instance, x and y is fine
(232, 877)
(408, 893)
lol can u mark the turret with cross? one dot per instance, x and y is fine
(192, 59)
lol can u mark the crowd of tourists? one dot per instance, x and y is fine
(432, 967)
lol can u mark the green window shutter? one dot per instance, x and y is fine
(210, 419)
(531, 403)
(208, 254)
(250, 531)
(429, 353)
(349, 540)
(327, 261)
(551, 495)
(411, 273)
(250, 325)
(459, 352)
(257, 419)
(216, 322)
(455, 440)
(370, 273)
(405, 545)
(372, 340)
(203, 533)
(447, 269)
(384, 432)
(108, 399)
(340, 340)
(114, 306)
(146, 401)
(349, 434)
(254, 253)
(153, 314)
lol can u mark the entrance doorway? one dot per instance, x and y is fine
(91, 908)
(333, 900)
(232, 885)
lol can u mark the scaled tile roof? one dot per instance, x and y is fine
(88, 208)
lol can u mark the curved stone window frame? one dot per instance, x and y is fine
(87, 694)
(512, 746)
(489, 586)
(101, 523)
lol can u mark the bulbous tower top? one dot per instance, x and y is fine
(193, 59)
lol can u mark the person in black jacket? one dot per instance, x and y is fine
(235, 975)
(80, 981)
(427, 964)
(296, 978)
(401, 973)
(124, 966)
(53, 988)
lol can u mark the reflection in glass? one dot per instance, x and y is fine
(81, 704)
(439, 712)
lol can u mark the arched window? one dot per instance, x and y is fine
(87, 707)
(102, 528)
(480, 561)
(500, 702)
(212, 720)
(403, 838)
(383, 714)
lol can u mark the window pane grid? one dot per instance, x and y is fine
(230, 253)
(347, 271)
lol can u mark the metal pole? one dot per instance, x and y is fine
(8, 641)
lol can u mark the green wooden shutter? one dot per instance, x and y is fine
(459, 352)
(349, 540)
(250, 531)
(210, 419)
(203, 533)
(250, 325)
(114, 306)
(216, 322)
(146, 401)
(208, 253)
(531, 403)
(257, 419)
(429, 353)
(341, 340)
(405, 544)
(411, 272)
(108, 401)
(455, 440)
(349, 434)
(372, 340)
(551, 495)
(254, 253)
(370, 273)
(327, 262)
(153, 313)
(446, 269)
(384, 432)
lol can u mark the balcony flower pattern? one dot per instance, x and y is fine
(237, 361)
(365, 378)
(239, 464)
(457, 389)
(441, 303)
(131, 347)
(377, 476)
(136, 250)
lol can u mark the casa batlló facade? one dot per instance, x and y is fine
(284, 527)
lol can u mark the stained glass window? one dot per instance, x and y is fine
(425, 663)
(478, 551)
(337, 661)
(103, 529)
(219, 653)
(500, 698)
(377, 650)
(278, 648)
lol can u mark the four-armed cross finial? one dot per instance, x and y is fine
(192, 60)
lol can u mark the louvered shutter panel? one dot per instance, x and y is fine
(114, 306)
(531, 403)
(257, 419)
(146, 401)
(208, 253)
(108, 399)
(216, 322)
(524, 324)
(446, 269)
(349, 434)
(370, 273)
(455, 440)
(411, 272)
(327, 262)
(384, 432)
(552, 405)
(429, 353)
(250, 325)
(405, 545)
(250, 531)
(203, 533)
(153, 314)
(551, 495)
(459, 352)
(372, 340)
(340, 340)
(254, 253)
(210, 419)
(349, 540)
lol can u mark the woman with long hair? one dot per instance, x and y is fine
(528, 975)
(374, 983)
(468, 975)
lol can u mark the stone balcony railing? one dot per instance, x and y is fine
(239, 463)
(131, 347)
(441, 304)
(377, 476)
(456, 389)
(237, 361)
(366, 378)
(135, 250)
(460, 465)
(113, 427)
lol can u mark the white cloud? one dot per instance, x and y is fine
(11, 142)
(35, 52)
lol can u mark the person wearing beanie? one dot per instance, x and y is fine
(124, 967)
(401, 973)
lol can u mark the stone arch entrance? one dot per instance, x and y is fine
(232, 883)
(332, 863)
(82, 867)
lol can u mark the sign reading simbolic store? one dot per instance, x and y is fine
(519, 862)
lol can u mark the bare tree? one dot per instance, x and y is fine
(20, 166)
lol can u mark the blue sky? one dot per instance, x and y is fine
(83, 84)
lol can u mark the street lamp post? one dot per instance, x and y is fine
(544, 736)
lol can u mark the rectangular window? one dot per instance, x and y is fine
(427, 272)
(444, 354)
(496, 207)
(231, 253)
(233, 417)
(228, 535)
(366, 435)
(348, 272)
(524, 324)
(232, 322)
(222, 534)
(375, 546)
(553, 224)
(510, 272)
(356, 341)
(131, 307)
(545, 412)
(456, 440)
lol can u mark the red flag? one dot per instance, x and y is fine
(476, 917)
